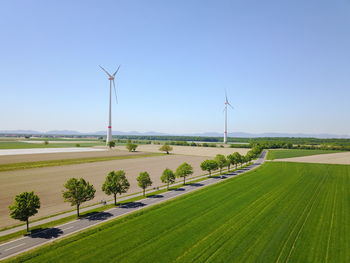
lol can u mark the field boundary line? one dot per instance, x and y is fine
(332, 220)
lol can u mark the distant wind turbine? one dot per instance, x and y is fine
(111, 82)
(225, 110)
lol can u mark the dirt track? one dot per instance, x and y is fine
(48, 182)
(332, 158)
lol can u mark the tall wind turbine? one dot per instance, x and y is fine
(111, 83)
(225, 110)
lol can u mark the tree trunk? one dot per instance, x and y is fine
(78, 210)
(167, 186)
(209, 173)
(115, 199)
(184, 180)
(220, 170)
(27, 221)
(144, 189)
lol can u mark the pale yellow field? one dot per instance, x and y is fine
(20, 158)
(48, 182)
(332, 158)
(189, 150)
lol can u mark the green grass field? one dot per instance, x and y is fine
(40, 164)
(25, 145)
(289, 153)
(282, 212)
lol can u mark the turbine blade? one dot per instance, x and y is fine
(230, 105)
(109, 75)
(115, 92)
(116, 71)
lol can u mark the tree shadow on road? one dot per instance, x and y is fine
(95, 216)
(177, 189)
(155, 196)
(196, 184)
(46, 233)
(132, 205)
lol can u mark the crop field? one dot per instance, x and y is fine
(332, 158)
(282, 212)
(191, 150)
(289, 153)
(48, 182)
(26, 145)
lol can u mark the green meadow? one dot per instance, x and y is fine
(281, 212)
(25, 145)
(289, 153)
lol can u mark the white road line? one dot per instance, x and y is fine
(15, 246)
(67, 228)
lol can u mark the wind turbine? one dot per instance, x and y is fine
(111, 82)
(225, 110)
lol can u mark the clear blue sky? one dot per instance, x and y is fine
(284, 64)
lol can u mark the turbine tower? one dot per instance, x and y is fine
(225, 110)
(111, 82)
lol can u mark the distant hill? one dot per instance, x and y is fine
(153, 133)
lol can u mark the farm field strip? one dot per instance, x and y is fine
(289, 153)
(49, 163)
(282, 212)
(327, 158)
(25, 145)
(47, 182)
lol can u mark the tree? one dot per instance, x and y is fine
(166, 148)
(221, 161)
(26, 205)
(144, 181)
(237, 157)
(46, 142)
(168, 177)
(209, 165)
(111, 144)
(115, 183)
(230, 160)
(131, 147)
(78, 192)
(184, 170)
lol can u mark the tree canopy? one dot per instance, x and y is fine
(168, 177)
(166, 148)
(115, 183)
(25, 205)
(131, 147)
(209, 165)
(78, 191)
(221, 161)
(184, 170)
(144, 180)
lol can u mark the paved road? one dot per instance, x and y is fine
(47, 235)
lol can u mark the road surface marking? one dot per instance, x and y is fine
(67, 228)
(15, 246)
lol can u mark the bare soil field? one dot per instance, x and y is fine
(189, 150)
(48, 182)
(332, 158)
(19, 158)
